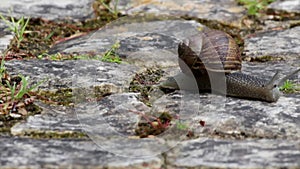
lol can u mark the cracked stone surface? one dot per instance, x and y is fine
(47, 9)
(66, 153)
(290, 6)
(276, 44)
(226, 12)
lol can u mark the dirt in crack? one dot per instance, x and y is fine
(144, 83)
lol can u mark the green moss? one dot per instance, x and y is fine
(55, 134)
(58, 96)
(69, 97)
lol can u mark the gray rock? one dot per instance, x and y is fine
(276, 44)
(66, 153)
(111, 77)
(112, 110)
(272, 24)
(226, 12)
(5, 37)
(144, 41)
(215, 153)
(290, 6)
(110, 123)
(54, 120)
(50, 10)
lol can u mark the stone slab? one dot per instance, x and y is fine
(144, 41)
(75, 74)
(5, 37)
(46, 9)
(66, 153)
(110, 123)
(214, 153)
(226, 12)
(61, 119)
(53, 120)
(283, 44)
(289, 6)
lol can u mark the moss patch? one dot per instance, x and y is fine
(54, 134)
(58, 97)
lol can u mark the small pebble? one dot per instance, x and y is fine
(15, 115)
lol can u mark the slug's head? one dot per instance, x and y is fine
(272, 87)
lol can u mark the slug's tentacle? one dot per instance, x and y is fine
(281, 81)
(276, 81)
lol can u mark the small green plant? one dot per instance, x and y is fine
(24, 89)
(14, 91)
(2, 68)
(255, 6)
(181, 126)
(111, 55)
(289, 87)
(14, 97)
(57, 56)
(114, 10)
(18, 91)
(17, 27)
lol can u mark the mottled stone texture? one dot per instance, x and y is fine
(5, 37)
(74, 73)
(290, 6)
(145, 42)
(110, 123)
(65, 153)
(47, 9)
(227, 132)
(113, 110)
(283, 44)
(214, 153)
(226, 12)
(235, 118)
